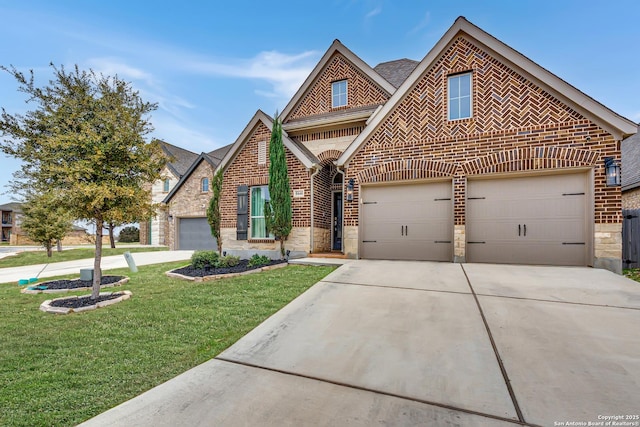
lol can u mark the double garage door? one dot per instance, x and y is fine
(519, 220)
(195, 234)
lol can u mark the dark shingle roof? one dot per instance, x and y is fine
(179, 159)
(396, 72)
(218, 154)
(631, 162)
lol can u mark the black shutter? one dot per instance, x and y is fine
(243, 204)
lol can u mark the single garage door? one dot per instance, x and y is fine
(529, 220)
(195, 233)
(408, 222)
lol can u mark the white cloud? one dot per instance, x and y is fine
(110, 66)
(284, 72)
(373, 12)
(426, 19)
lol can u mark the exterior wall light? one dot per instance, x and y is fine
(170, 218)
(612, 169)
(350, 190)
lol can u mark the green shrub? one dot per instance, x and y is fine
(258, 260)
(228, 261)
(129, 234)
(204, 259)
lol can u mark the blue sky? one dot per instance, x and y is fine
(211, 67)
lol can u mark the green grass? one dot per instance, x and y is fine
(61, 370)
(40, 257)
(632, 273)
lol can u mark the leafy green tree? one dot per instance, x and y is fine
(277, 212)
(84, 140)
(45, 221)
(213, 211)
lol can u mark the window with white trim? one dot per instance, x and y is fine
(165, 185)
(339, 93)
(204, 187)
(460, 96)
(259, 196)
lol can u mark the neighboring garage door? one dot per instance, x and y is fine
(528, 220)
(195, 233)
(409, 222)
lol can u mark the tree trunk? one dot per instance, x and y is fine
(97, 273)
(49, 251)
(59, 244)
(112, 240)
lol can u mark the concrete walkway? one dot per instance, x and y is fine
(14, 274)
(419, 343)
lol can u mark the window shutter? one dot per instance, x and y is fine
(262, 152)
(241, 227)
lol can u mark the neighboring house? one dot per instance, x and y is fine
(11, 218)
(154, 231)
(474, 154)
(631, 172)
(187, 204)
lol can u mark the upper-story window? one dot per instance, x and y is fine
(460, 96)
(204, 187)
(339, 93)
(165, 185)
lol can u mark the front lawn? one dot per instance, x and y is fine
(632, 273)
(61, 370)
(40, 257)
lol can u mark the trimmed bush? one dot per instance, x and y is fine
(129, 234)
(228, 261)
(258, 260)
(204, 259)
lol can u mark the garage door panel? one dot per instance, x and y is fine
(195, 234)
(412, 222)
(528, 220)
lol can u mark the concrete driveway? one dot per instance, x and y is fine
(420, 343)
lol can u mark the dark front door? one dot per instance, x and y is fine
(337, 222)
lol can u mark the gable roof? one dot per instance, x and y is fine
(218, 154)
(179, 159)
(203, 157)
(298, 150)
(608, 120)
(336, 46)
(396, 72)
(631, 162)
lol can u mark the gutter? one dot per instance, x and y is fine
(340, 170)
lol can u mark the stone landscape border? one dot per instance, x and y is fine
(53, 291)
(221, 276)
(48, 308)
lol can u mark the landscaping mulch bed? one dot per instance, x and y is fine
(240, 268)
(66, 285)
(84, 301)
(75, 284)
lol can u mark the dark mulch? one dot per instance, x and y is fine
(73, 284)
(82, 301)
(240, 268)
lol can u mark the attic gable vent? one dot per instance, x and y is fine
(262, 152)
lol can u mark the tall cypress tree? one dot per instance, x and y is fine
(213, 212)
(277, 211)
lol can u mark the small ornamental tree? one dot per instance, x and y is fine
(45, 221)
(277, 212)
(84, 141)
(213, 211)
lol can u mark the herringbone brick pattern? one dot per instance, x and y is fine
(361, 90)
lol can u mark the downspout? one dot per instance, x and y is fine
(340, 170)
(317, 170)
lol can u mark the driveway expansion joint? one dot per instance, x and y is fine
(380, 392)
(495, 350)
(396, 287)
(560, 302)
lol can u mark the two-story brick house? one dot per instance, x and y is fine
(473, 154)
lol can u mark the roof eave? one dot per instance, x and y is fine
(616, 125)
